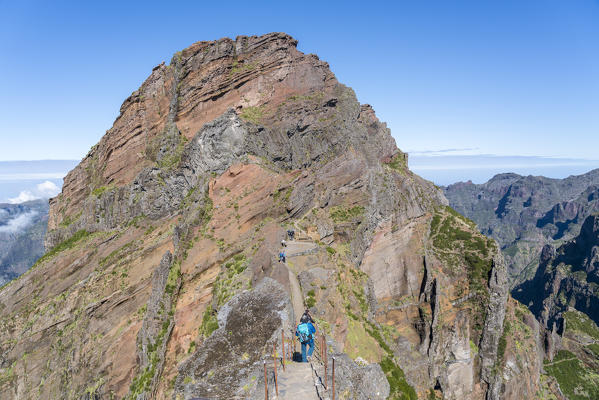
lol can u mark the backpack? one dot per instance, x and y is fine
(303, 333)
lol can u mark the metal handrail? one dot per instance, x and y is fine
(287, 352)
(321, 351)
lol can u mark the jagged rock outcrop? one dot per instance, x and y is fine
(162, 245)
(359, 381)
(498, 285)
(524, 213)
(567, 277)
(563, 297)
(229, 364)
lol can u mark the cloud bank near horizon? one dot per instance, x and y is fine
(43, 190)
(22, 181)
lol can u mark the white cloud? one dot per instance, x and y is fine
(48, 189)
(24, 196)
(42, 190)
(18, 223)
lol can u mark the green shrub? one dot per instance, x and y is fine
(435, 223)
(594, 347)
(66, 245)
(100, 190)
(397, 163)
(172, 159)
(252, 114)
(399, 388)
(503, 342)
(209, 322)
(340, 214)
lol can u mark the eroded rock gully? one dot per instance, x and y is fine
(163, 280)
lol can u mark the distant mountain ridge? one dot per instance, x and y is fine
(523, 213)
(564, 297)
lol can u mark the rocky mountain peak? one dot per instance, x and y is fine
(589, 232)
(163, 245)
(302, 111)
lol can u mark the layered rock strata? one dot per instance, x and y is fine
(162, 246)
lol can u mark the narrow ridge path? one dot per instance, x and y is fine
(297, 382)
(297, 300)
(298, 248)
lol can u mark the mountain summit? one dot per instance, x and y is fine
(162, 277)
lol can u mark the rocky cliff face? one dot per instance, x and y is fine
(162, 247)
(564, 296)
(22, 230)
(567, 277)
(524, 213)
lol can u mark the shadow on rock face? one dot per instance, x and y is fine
(226, 362)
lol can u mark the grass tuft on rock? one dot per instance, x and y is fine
(342, 214)
(65, 245)
(252, 114)
(209, 322)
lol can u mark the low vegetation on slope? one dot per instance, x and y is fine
(577, 381)
(575, 367)
(457, 242)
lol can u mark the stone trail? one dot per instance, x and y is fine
(297, 382)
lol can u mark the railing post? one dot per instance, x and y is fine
(333, 378)
(325, 364)
(274, 359)
(283, 346)
(265, 383)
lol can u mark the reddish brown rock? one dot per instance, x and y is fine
(211, 161)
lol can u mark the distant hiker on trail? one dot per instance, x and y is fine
(283, 243)
(282, 255)
(307, 317)
(305, 333)
(291, 234)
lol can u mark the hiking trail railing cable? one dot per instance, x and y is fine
(321, 351)
(283, 346)
(274, 363)
(333, 379)
(265, 382)
(288, 353)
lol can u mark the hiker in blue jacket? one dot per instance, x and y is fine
(305, 333)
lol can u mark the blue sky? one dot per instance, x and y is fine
(495, 77)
